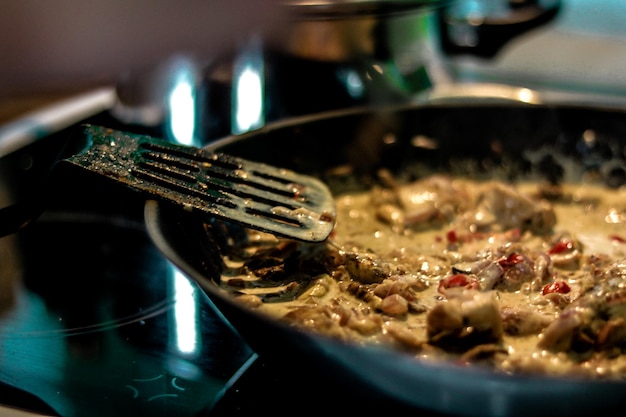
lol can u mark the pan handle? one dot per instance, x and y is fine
(23, 176)
(482, 28)
(29, 148)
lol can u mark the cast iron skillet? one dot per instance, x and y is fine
(514, 140)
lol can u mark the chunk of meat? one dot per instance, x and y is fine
(594, 321)
(468, 318)
(501, 207)
(520, 321)
(336, 320)
(367, 267)
(430, 199)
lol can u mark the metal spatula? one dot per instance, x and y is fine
(256, 195)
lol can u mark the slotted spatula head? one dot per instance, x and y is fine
(256, 195)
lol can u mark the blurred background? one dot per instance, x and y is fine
(583, 49)
(51, 51)
(57, 49)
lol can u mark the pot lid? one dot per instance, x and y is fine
(339, 9)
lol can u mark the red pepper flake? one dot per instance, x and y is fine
(452, 237)
(560, 287)
(617, 238)
(455, 281)
(561, 246)
(511, 260)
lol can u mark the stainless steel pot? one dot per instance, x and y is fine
(336, 54)
(329, 55)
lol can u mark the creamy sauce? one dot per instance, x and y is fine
(416, 247)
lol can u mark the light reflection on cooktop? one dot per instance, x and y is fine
(94, 321)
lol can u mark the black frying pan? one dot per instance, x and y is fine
(480, 135)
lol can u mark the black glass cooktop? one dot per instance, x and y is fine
(94, 319)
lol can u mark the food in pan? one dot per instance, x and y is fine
(519, 277)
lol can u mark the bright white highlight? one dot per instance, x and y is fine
(185, 316)
(249, 105)
(182, 109)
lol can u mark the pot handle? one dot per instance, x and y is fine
(466, 30)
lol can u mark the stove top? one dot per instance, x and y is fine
(94, 321)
